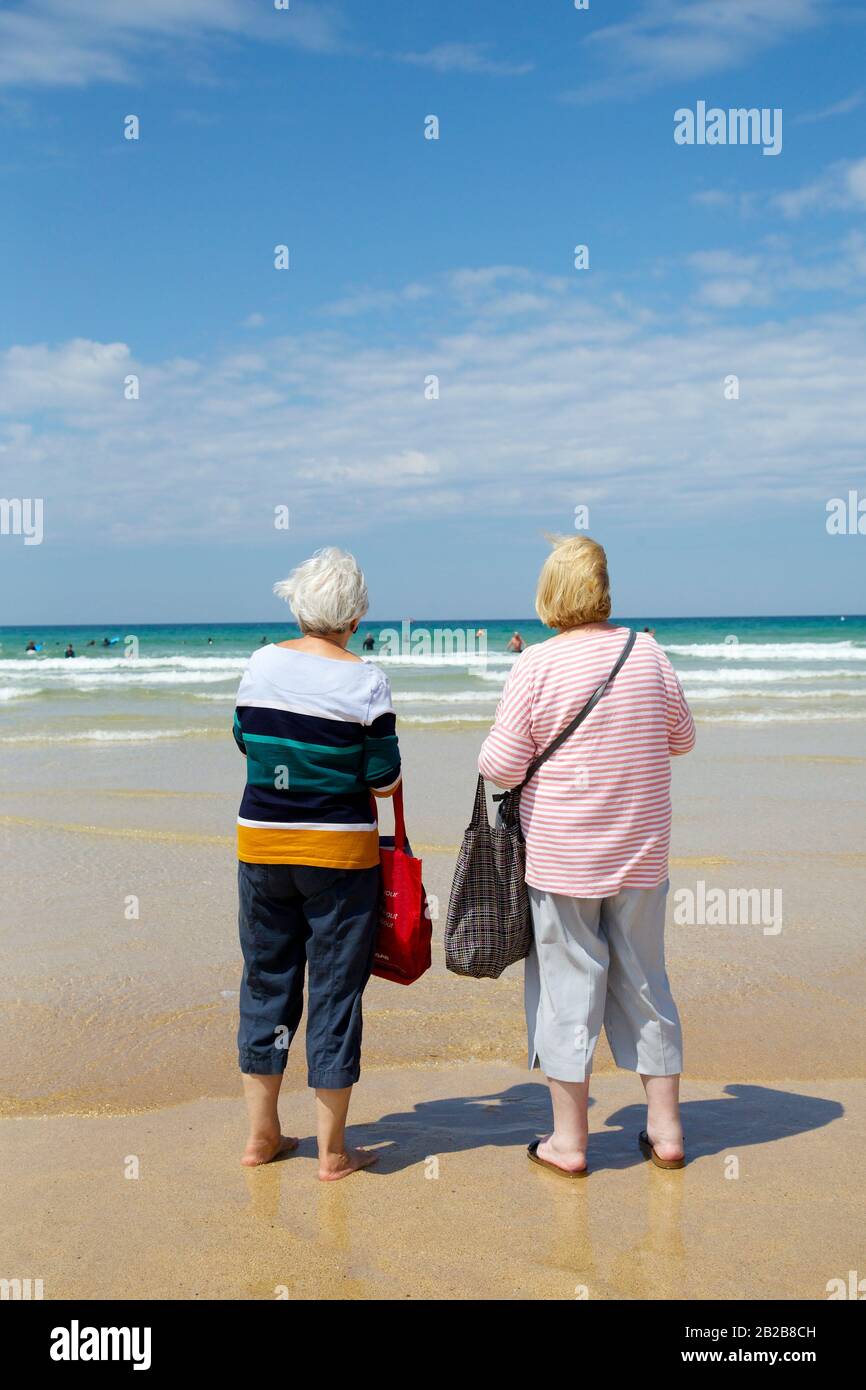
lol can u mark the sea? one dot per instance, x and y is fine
(137, 683)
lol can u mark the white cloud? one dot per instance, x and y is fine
(733, 279)
(569, 396)
(855, 251)
(837, 108)
(841, 187)
(411, 463)
(465, 57)
(75, 42)
(480, 279)
(741, 201)
(724, 262)
(855, 182)
(71, 377)
(731, 293)
(779, 266)
(671, 40)
(518, 302)
(363, 300)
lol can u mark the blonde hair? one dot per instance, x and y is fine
(573, 586)
(327, 593)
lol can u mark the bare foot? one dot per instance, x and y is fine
(265, 1150)
(572, 1160)
(667, 1140)
(336, 1166)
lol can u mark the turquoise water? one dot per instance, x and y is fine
(159, 681)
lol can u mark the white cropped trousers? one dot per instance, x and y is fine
(600, 962)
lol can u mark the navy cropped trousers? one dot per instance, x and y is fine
(295, 919)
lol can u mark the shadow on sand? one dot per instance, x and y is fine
(510, 1119)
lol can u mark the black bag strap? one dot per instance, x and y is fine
(578, 719)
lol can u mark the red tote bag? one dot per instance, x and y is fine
(405, 930)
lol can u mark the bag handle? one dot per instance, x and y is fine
(578, 719)
(479, 809)
(399, 822)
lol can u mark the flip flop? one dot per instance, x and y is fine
(532, 1155)
(649, 1152)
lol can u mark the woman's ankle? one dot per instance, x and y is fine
(574, 1141)
(664, 1125)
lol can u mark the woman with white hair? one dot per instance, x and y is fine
(317, 727)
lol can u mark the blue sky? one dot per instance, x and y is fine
(305, 388)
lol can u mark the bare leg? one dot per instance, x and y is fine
(335, 1160)
(663, 1115)
(265, 1141)
(566, 1146)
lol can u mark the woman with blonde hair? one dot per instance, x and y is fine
(596, 817)
(316, 725)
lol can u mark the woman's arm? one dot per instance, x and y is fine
(381, 769)
(509, 747)
(237, 728)
(238, 734)
(681, 726)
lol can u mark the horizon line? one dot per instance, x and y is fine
(397, 622)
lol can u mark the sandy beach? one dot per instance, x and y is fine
(121, 966)
(398, 365)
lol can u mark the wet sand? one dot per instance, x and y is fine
(453, 1209)
(119, 1041)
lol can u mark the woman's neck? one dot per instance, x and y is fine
(329, 644)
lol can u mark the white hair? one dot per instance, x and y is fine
(327, 593)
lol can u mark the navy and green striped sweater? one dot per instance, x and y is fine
(319, 736)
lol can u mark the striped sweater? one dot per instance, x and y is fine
(597, 814)
(319, 736)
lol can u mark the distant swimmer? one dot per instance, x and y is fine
(651, 631)
(263, 642)
(210, 641)
(369, 643)
(516, 644)
(70, 650)
(31, 647)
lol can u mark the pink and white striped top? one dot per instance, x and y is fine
(597, 814)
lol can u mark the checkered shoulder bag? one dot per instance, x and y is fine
(489, 926)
